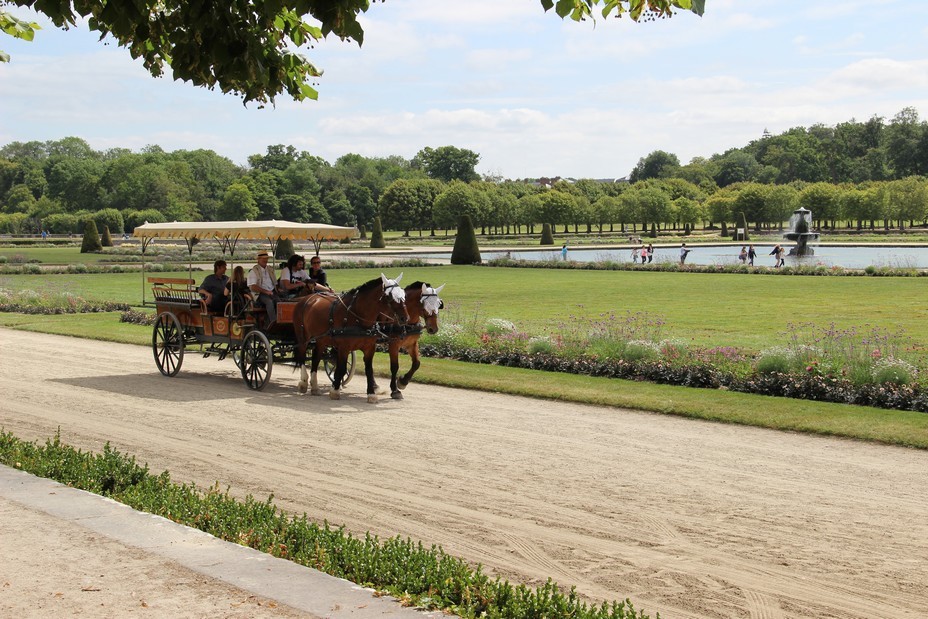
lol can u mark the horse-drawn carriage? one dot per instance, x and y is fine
(332, 326)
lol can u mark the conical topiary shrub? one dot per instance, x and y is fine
(547, 238)
(91, 240)
(107, 240)
(377, 241)
(465, 244)
(284, 249)
(653, 234)
(362, 231)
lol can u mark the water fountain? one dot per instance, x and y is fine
(799, 225)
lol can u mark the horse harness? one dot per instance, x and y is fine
(375, 330)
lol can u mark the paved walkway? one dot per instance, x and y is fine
(66, 552)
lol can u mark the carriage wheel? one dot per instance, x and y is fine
(328, 363)
(237, 357)
(167, 344)
(257, 360)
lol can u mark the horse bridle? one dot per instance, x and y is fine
(441, 304)
(349, 311)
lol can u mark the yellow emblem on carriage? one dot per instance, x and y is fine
(236, 329)
(221, 326)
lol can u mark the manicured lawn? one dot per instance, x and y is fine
(747, 311)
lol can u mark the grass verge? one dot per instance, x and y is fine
(424, 577)
(893, 427)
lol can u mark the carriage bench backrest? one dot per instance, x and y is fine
(174, 290)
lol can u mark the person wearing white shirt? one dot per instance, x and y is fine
(261, 282)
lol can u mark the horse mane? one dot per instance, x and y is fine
(419, 285)
(366, 286)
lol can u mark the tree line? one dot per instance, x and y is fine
(870, 173)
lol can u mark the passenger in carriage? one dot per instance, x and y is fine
(238, 291)
(294, 281)
(213, 289)
(262, 283)
(318, 276)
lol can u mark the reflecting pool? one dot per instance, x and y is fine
(851, 257)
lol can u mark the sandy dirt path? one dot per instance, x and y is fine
(687, 518)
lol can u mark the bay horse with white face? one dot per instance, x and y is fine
(346, 322)
(422, 301)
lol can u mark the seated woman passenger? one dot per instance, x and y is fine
(238, 290)
(317, 275)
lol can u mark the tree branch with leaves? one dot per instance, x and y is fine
(246, 47)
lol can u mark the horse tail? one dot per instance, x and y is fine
(299, 329)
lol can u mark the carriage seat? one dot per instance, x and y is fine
(175, 291)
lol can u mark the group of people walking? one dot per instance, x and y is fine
(645, 253)
(260, 285)
(747, 255)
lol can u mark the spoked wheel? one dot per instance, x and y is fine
(257, 360)
(237, 357)
(167, 344)
(329, 358)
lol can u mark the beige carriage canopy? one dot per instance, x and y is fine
(228, 233)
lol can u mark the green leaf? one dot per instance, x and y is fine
(564, 7)
(547, 4)
(699, 7)
(308, 92)
(4, 57)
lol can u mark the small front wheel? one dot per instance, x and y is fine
(167, 344)
(257, 360)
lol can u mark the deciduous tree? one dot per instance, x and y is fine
(252, 47)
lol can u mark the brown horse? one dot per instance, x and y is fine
(421, 302)
(346, 322)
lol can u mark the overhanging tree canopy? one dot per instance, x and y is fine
(246, 47)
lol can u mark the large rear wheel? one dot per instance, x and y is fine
(257, 360)
(328, 363)
(167, 344)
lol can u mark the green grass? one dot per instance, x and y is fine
(859, 422)
(53, 255)
(746, 311)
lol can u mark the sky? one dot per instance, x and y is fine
(531, 94)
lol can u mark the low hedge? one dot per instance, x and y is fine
(805, 386)
(613, 265)
(424, 577)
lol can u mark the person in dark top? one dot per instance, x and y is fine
(213, 288)
(317, 275)
(237, 289)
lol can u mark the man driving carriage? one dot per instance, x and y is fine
(261, 282)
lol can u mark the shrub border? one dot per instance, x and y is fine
(426, 578)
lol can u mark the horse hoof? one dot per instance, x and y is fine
(302, 387)
(316, 391)
(335, 395)
(402, 383)
(372, 398)
(397, 395)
